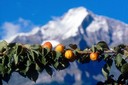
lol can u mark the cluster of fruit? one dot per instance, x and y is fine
(68, 53)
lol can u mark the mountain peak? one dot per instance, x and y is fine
(67, 24)
(78, 23)
(77, 10)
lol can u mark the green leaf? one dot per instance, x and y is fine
(32, 55)
(93, 48)
(15, 59)
(63, 63)
(45, 52)
(106, 69)
(12, 54)
(28, 63)
(124, 68)
(126, 53)
(1, 68)
(3, 44)
(45, 55)
(102, 45)
(105, 73)
(23, 67)
(39, 65)
(6, 73)
(44, 61)
(56, 64)
(119, 61)
(24, 71)
(19, 50)
(58, 55)
(38, 68)
(99, 47)
(106, 56)
(32, 73)
(35, 47)
(49, 70)
(109, 64)
(5, 61)
(58, 60)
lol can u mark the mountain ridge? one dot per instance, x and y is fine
(64, 30)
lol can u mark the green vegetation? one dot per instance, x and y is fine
(30, 60)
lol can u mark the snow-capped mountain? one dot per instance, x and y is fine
(79, 26)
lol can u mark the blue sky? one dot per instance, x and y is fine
(22, 15)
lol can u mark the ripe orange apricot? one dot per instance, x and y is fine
(94, 56)
(47, 45)
(69, 55)
(59, 48)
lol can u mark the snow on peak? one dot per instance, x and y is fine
(98, 24)
(74, 26)
(67, 25)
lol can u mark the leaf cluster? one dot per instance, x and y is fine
(30, 60)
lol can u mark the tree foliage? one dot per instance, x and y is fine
(30, 60)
